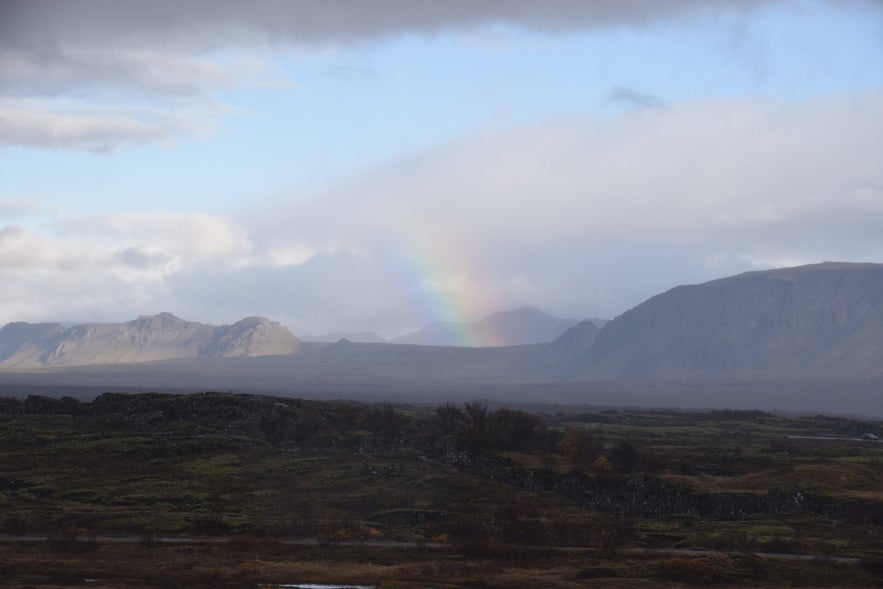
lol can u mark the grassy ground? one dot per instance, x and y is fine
(260, 562)
(255, 472)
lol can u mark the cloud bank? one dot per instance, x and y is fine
(580, 216)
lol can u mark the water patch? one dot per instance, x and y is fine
(313, 586)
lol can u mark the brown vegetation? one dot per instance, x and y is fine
(284, 490)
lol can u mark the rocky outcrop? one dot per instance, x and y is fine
(252, 336)
(147, 338)
(647, 496)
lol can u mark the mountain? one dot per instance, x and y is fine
(526, 325)
(365, 337)
(823, 319)
(795, 339)
(576, 341)
(148, 338)
(20, 341)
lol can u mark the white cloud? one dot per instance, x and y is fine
(20, 249)
(586, 217)
(109, 266)
(697, 166)
(581, 217)
(191, 237)
(27, 123)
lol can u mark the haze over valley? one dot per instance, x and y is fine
(760, 337)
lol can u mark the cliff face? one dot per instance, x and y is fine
(148, 338)
(820, 319)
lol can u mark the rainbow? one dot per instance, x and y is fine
(444, 277)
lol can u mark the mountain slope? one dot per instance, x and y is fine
(824, 319)
(526, 325)
(22, 343)
(577, 341)
(148, 338)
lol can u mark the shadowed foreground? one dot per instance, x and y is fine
(290, 491)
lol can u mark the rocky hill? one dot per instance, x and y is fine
(526, 325)
(822, 319)
(148, 338)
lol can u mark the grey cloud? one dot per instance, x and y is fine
(142, 260)
(49, 47)
(168, 49)
(637, 98)
(44, 25)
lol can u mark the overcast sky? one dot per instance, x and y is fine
(376, 165)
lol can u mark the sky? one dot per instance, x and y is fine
(381, 164)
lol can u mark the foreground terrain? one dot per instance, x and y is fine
(213, 489)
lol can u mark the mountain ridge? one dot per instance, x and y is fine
(816, 319)
(147, 338)
(808, 321)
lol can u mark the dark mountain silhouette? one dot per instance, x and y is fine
(148, 338)
(526, 325)
(822, 319)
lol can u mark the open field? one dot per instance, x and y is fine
(419, 496)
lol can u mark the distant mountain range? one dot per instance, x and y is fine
(823, 320)
(523, 326)
(519, 327)
(148, 338)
